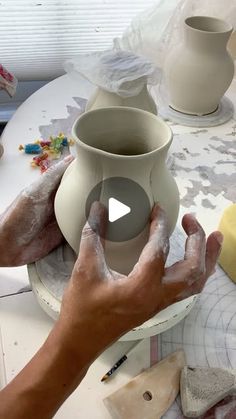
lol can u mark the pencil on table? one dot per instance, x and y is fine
(119, 362)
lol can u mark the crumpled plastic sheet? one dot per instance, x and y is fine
(120, 72)
(144, 36)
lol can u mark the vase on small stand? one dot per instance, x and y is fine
(200, 70)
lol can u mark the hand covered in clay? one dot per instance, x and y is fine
(105, 304)
(28, 227)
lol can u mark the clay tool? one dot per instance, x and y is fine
(202, 388)
(120, 362)
(151, 393)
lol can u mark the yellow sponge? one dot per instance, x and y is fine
(227, 226)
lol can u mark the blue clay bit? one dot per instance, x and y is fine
(32, 149)
(65, 142)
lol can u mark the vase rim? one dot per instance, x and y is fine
(166, 143)
(208, 24)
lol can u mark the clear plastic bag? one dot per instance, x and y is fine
(122, 72)
(144, 36)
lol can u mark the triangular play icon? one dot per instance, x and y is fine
(117, 209)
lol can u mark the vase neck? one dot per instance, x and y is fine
(214, 42)
(123, 163)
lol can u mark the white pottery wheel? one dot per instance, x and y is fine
(50, 275)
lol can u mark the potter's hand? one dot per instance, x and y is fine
(100, 305)
(105, 304)
(28, 228)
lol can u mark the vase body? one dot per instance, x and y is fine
(117, 142)
(103, 99)
(199, 71)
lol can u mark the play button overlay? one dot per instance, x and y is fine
(117, 210)
(128, 207)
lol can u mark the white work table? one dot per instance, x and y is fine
(203, 163)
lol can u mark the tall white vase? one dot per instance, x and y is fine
(117, 142)
(200, 70)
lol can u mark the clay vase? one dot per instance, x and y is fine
(103, 99)
(199, 71)
(117, 142)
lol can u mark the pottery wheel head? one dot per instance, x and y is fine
(55, 269)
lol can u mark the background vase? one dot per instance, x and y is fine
(103, 99)
(117, 142)
(200, 70)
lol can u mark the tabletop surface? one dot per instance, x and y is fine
(203, 163)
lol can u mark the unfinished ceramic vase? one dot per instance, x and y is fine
(200, 70)
(117, 142)
(103, 99)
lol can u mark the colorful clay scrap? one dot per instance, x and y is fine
(46, 150)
